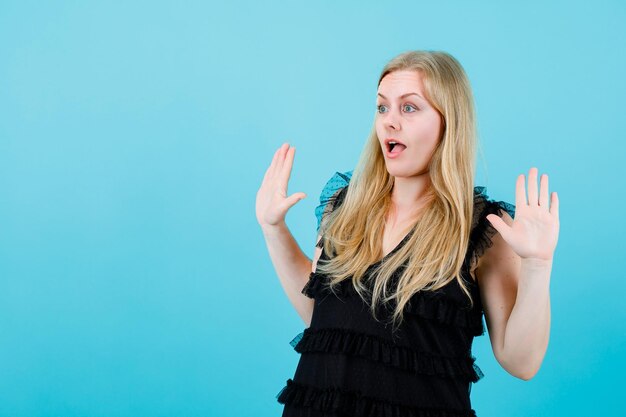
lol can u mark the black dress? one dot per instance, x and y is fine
(352, 365)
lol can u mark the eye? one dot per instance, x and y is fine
(405, 106)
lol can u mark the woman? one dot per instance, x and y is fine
(409, 255)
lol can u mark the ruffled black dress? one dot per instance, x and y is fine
(352, 365)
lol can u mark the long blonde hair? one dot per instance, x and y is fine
(436, 248)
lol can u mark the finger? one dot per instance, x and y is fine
(533, 199)
(543, 193)
(520, 192)
(266, 176)
(294, 198)
(274, 162)
(281, 157)
(500, 225)
(286, 172)
(554, 206)
(270, 169)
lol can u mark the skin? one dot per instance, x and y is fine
(417, 124)
(514, 277)
(513, 274)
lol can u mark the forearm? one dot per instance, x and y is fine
(528, 327)
(292, 266)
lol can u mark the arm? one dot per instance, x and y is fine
(516, 301)
(514, 278)
(272, 204)
(292, 266)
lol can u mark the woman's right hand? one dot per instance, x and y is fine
(272, 202)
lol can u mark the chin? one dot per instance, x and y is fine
(403, 172)
(397, 172)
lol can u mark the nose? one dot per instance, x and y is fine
(391, 120)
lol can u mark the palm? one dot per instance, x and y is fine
(272, 202)
(535, 229)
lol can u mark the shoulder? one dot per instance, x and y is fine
(482, 202)
(497, 273)
(331, 191)
(484, 236)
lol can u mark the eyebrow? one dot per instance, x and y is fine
(403, 95)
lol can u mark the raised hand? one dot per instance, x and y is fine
(535, 229)
(272, 202)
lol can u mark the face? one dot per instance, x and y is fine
(403, 114)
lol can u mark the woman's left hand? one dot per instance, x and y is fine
(535, 229)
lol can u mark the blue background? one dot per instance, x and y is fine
(134, 279)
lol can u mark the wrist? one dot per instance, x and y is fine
(273, 229)
(537, 263)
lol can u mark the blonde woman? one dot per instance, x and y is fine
(409, 255)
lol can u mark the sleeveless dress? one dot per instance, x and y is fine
(352, 365)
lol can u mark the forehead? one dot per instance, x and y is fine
(400, 82)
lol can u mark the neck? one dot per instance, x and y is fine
(408, 196)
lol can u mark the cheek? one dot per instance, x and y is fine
(380, 133)
(428, 134)
(379, 128)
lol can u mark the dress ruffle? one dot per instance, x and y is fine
(483, 230)
(424, 304)
(436, 308)
(329, 193)
(314, 286)
(377, 349)
(355, 404)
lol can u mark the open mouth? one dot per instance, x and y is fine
(395, 147)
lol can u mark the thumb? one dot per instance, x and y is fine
(498, 224)
(294, 198)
